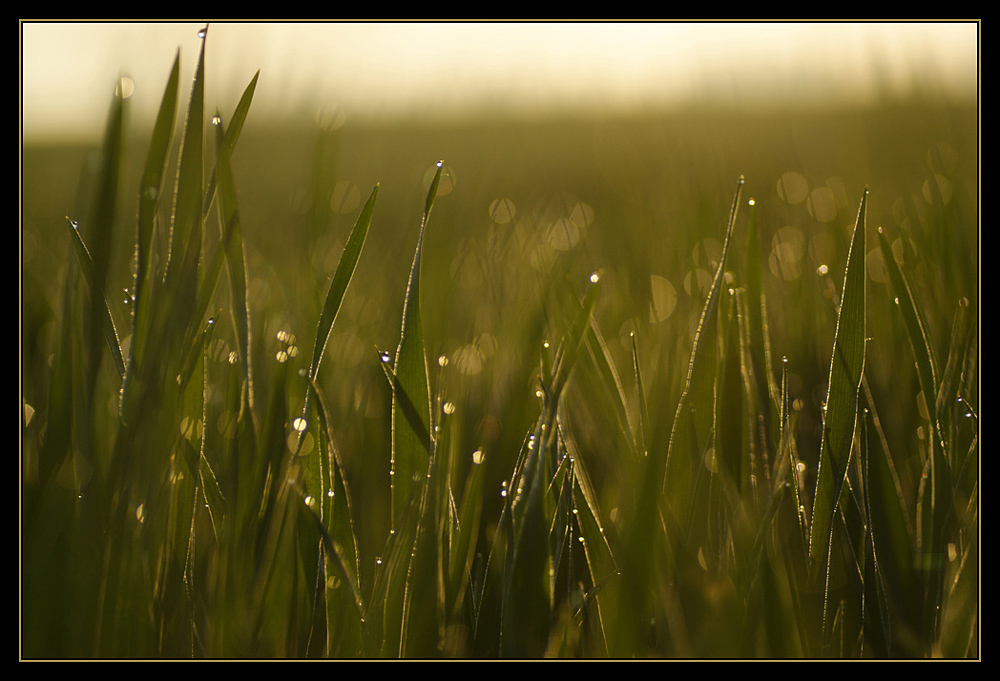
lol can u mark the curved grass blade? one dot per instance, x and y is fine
(926, 369)
(693, 421)
(338, 288)
(107, 323)
(840, 417)
(642, 437)
(232, 136)
(150, 191)
(410, 446)
(229, 220)
(186, 230)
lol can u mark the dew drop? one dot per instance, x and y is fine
(216, 120)
(386, 357)
(202, 32)
(751, 202)
(442, 361)
(478, 456)
(594, 278)
(329, 493)
(300, 424)
(448, 408)
(822, 270)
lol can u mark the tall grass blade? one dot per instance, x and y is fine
(107, 322)
(187, 226)
(232, 136)
(841, 407)
(338, 287)
(410, 451)
(150, 193)
(691, 432)
(229, 226)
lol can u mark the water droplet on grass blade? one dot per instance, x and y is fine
(216, 120)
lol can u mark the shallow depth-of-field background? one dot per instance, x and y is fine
(525, 212)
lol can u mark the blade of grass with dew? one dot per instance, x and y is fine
(102, 223)
(213, 268)
(758, 342)
(338, 288)
(409, 450)
(463, 545)
(411, 447)
(229, 225)
(876, 630)
(338, 513)
(187, 224)
(526, 601)
(935, 518)
(150, 192)
(107, 323)
(840, 413)
(232, 136)
(692, 427)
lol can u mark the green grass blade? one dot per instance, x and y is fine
(341, 280)
(691, 431)
(926, 370)
(187, 226)
(840, 417)
(107, 323)
(409, 448)
(642, 435)
(229, 225)
(150, 193)
(232, 136)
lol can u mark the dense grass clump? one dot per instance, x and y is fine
(599, 398)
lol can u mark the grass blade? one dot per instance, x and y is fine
(229, 225)
(107, 323)
(840, 417)
(692, 427)
(150, 192)
(409, 450)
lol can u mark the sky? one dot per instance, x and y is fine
(445, 69)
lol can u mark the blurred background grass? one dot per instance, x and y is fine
(641, 196)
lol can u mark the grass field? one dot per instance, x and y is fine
(697, 384)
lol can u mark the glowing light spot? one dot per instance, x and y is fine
(300, 424)
(663, 300)
(478, 457)
(594, 278)
(793, 188)
(502, 211)
(125, 87)
(448, 408)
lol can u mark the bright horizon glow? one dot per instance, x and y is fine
(442, 70)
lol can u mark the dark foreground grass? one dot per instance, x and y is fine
(574, 391)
